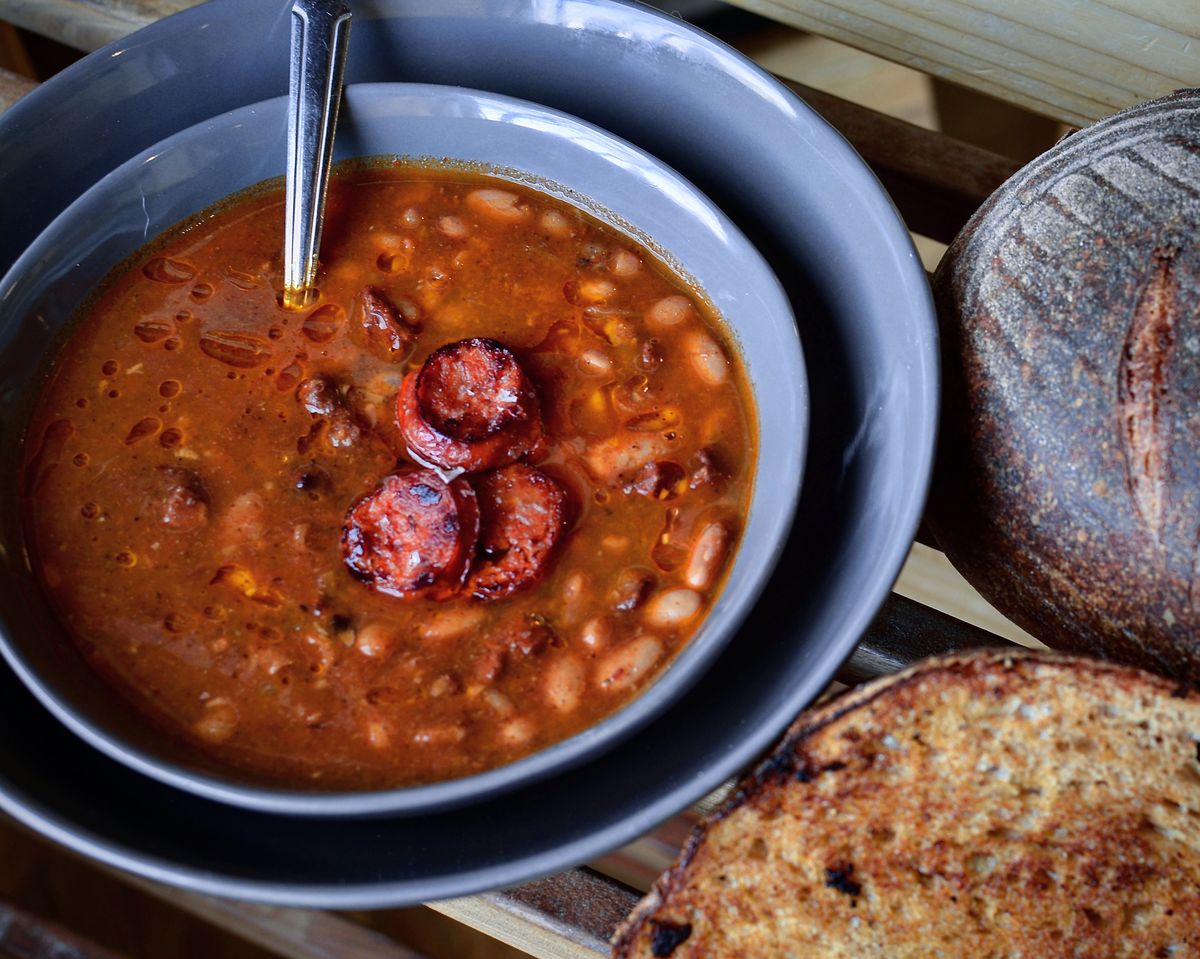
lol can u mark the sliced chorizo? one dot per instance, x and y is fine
(473, 389)
(523, 516)
(413, 536)
(431, 446)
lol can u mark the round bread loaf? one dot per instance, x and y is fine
(1068, 485)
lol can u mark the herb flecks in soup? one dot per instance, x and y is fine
(465, 505)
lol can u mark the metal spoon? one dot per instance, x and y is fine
(320, 34)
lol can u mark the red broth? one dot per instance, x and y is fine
(240, 514)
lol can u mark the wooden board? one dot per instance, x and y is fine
(88, 25)
(12, 88)
(1074, 61)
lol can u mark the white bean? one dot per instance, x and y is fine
(439, 735)
(669, 311)
(625, 452)
(623, 667)
(377, 734)
(594, 291)
(672, 608)
(562, 683)
(574, 587)
(707, 555)
(595, 362)
(452, 227)
(708, 359)
(451, 623)
(555, 224)
(499, 702)
(596, 632)
(497, 204)
(374, 640)
(614, 543)
(218, 722)
(623, 263)
(516, 731)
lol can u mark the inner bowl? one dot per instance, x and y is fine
(562, 156)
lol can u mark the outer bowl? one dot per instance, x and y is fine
(790, 183)
(579, 163)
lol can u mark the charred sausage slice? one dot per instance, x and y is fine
(413, 536)
(472, 389)
(523, 515)
(434, 447)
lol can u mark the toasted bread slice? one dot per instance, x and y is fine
(989, 804)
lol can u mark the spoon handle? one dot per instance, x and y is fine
(320, 33)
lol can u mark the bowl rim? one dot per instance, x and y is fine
(727, 612)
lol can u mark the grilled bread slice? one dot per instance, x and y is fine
(989, 804)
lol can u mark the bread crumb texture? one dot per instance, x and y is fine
(986, 805)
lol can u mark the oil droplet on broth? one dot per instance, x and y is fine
(323, 323)
(126, 558)
(289, 377)
(163, 269)
(142, 429)
(240, 350)
(153, 330)
(169, 388)
(171, 438)
(177, 622)
(201, 292)
(243, 281)
(89, 510)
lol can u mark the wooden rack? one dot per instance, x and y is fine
(1071, 62)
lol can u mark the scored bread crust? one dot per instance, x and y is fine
(1019, 803)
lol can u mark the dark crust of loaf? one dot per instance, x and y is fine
(790, 765)
(1068, 484)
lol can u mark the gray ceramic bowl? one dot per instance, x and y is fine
(790, 183)
(579, 163)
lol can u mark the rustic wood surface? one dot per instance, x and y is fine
(936, 182)
(568, 916)
(297, 933)
(1073, 61)
(12, 88)
(24, 936)
(88, 24)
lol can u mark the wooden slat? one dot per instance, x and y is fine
(12, 88)
(936, 182)
(1073, 61)
(929, 579)
(571, 915)
(24, 936)
(88, 25)
(295, 933)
